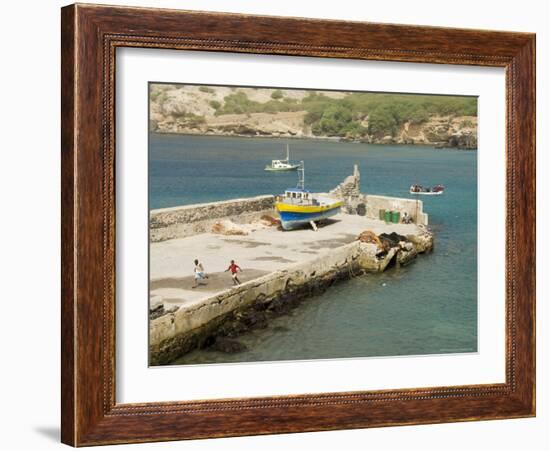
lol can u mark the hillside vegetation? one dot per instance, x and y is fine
(371, 117)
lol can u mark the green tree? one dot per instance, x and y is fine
(215, 104)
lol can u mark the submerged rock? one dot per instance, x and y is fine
(228, 345)
(423, 242)
(406, 255)
(255, 318)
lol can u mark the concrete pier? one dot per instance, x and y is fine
(279, 268)
(276, 265)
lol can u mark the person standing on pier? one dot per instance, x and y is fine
(234, 268)
(199, 273)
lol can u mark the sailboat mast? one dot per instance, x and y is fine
(287, 154)
(301, 176)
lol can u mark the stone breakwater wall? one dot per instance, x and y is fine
(251, 304)
(189, 220)
(413, 207)
(368, 205)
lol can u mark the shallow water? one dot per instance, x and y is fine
(429, 307)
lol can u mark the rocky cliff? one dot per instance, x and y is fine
(252, 112)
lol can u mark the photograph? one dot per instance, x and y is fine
(295, 224)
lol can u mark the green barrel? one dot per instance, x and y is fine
(387, 215)
(381, 214)
(395, 215)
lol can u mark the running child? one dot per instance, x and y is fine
(234, 268)
(199, 273)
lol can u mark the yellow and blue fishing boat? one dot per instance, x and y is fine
(298, 206)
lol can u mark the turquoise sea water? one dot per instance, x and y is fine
(429, 307)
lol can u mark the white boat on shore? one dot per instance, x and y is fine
(436, 190)
(282, 165)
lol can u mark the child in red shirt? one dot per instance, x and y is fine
(233, 267)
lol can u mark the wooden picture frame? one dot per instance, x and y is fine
(90, 37)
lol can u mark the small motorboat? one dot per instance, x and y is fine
(297, 206)
(282, 165)
(436, 190)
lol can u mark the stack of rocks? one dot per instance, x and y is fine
(350, 193)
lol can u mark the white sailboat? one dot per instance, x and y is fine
(282, 165)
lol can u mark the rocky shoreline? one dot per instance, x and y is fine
(440, 133)
(454, 143)
(269, 113)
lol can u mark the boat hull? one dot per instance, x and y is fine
(294, 216)
(291, 168)
(426, 193)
